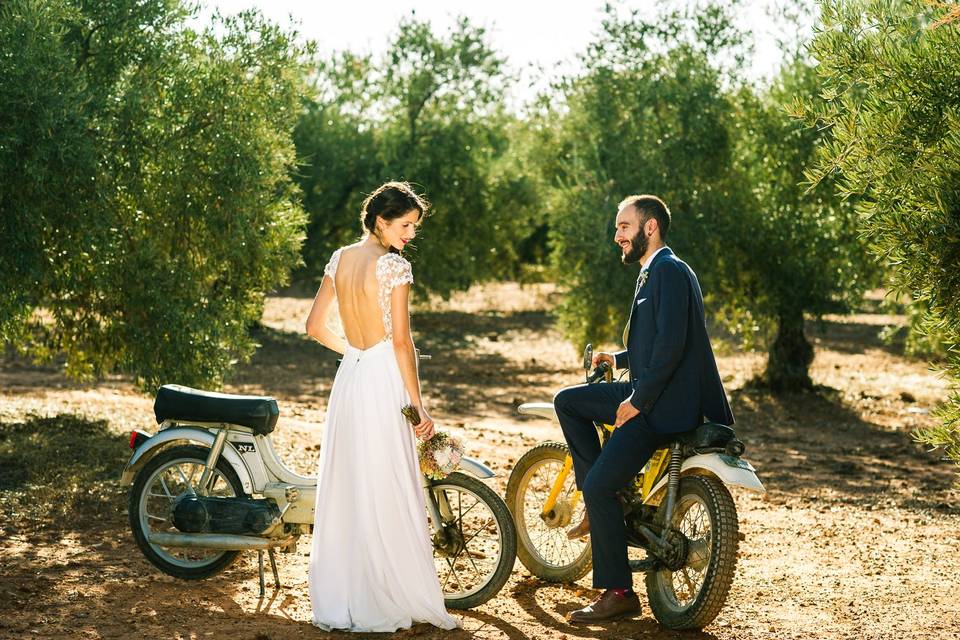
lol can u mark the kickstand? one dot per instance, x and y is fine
(273, 565)
(260, 558)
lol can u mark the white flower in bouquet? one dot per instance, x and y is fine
(443, 457)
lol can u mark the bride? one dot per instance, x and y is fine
(371, 566)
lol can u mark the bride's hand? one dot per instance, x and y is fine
(424, 430)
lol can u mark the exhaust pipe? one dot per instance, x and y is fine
(222, 541)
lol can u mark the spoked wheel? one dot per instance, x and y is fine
(692, 596)
(162, 480)
(475, 551)
(543, 545)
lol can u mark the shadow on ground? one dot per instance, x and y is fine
(854, 337)
(132, 599)
(539, 600)
(59, 473)
(811, 443)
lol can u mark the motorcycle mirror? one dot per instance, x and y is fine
(588, 357)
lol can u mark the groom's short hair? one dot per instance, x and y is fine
(650, 207)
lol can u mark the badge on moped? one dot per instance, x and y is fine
(245, 447)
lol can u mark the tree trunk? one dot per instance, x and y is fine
(790, 355)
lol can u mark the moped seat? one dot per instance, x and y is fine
(175, 402)
(708, 435)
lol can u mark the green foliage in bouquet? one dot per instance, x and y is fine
(144, 185)
(891, 72)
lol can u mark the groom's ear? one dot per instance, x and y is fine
(650, 225)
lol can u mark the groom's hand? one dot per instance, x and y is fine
(625, 412)
(602, 356)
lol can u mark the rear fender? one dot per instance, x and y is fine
(183, 435)
(730, 471)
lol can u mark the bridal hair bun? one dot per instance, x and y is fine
(391, 200)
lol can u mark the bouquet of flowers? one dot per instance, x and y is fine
(440, 455)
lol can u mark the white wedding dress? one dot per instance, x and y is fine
(371, 565)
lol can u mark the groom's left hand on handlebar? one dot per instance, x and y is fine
(602, 356)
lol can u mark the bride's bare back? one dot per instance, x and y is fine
(363, 280)
(358, 296)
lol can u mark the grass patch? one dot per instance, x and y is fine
(59, 472)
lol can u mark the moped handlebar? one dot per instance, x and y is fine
(598, 373)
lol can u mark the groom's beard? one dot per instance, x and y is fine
(638, 247)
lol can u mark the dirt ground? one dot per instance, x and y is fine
(857, 536)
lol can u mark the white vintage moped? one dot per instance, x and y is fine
(209, 484)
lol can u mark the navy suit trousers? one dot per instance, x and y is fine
(600, 473)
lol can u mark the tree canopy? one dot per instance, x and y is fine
(641, 118)
(429, 111)
(157, 180)
(891, 73)
(655, 111)
(144, 184)
(798, 250)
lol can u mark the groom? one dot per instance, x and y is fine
(674, 387)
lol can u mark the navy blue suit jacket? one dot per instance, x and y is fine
(673, 372)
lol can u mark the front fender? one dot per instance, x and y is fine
(542, 409)
(729, 470)
(183, 435)
(476, 468)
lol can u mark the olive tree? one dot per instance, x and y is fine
(891, 73)
(656, 111)
(429, 111)
(799, 249)
(145, 184)
(649, 114)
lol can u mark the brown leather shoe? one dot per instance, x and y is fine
(581, 530)
(607, 608)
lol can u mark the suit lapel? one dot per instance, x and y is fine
(626, 328)
(633, 305)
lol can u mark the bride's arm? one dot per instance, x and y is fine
(407, 355)
(317, 320)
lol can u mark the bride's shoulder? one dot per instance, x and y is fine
(391, 258)
(335, 256)
(394, 267)
(331, 267)
(347, 247)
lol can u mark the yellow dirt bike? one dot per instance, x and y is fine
(678, 509)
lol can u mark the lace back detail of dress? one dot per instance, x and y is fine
(392, 271)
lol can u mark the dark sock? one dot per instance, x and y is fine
(623, 593)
